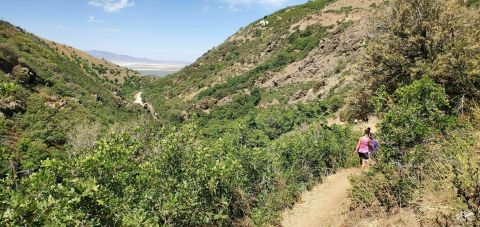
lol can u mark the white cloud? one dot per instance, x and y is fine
(111, 5)
(109, 29)
(92, 19)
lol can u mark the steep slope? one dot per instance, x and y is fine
(298, 54)
(47, 91)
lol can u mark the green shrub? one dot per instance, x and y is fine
(173, 179)
(401, 54)
(415, 109)
(414, 114)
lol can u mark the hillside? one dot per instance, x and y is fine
(48, 90)
(298, 54)
(95, 65)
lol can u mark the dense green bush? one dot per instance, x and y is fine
(7, 89)
(414, 113)
(174, 179)
(414, 110)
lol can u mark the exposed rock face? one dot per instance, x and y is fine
(264, 23)
(21, 74)
(148, 107)
(184, 115)
(55, 102)
(204, 104)
(10, 108)
(8, 58)
(321, 61)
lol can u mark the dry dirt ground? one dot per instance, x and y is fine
(324, 205)
(327, 204)
(138, 98)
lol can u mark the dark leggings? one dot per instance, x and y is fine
(363, 156)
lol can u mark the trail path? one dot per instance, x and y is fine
(324, 205)
(138, 98)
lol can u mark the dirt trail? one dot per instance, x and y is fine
(324, 205)
(138, 98)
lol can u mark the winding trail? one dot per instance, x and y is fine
(324, 205)
(138, 98)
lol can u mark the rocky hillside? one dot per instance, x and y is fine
(298, 54)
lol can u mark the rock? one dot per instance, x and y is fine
(275, 83)
(9, 109)
(21, 74)
(466, 216)
(148, 107)
(26, 76)
(55, 102)
(203, 104)
(264, 23)
(75, 100)
(184, 115)
(300, 95)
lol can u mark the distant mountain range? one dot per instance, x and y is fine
(143, 65)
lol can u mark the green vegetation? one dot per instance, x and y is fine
(169, 177)
(428, 109)
(75, 152)
(408, 50)
(7, 89)
(43, 96)
(300, 43)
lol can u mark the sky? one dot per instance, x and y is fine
(180, 30)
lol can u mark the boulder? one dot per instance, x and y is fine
(184, 115)
(9, 109)
(21, 74)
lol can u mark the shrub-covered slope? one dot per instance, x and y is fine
(298, 54)
(45, 95)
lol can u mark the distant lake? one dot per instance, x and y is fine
(155, 73)
(160, 69)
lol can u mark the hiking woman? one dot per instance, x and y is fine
(363, 148)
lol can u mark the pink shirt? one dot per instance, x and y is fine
(364, 148)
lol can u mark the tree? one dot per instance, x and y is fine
(427, 37)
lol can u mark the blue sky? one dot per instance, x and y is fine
(158, 29)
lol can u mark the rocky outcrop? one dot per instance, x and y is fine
(204, 104)
(8, 58)
(55, 102)
(10, 108)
